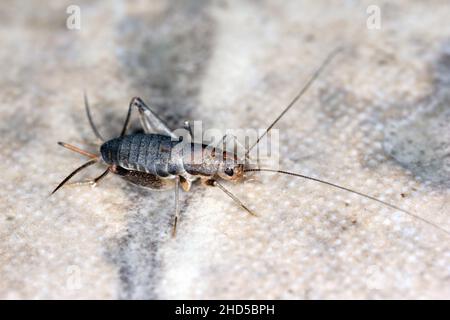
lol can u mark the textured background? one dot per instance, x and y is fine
(377, 121)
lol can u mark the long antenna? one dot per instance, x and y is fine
(352, 191)
(302, 91)
(91, 122)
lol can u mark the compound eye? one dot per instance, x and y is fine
(229, 172)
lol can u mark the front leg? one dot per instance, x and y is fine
(185, 183)
(215, 183)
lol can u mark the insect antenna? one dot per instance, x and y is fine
(89, 116)
(352, 191)
(84, 166)
(315, 75)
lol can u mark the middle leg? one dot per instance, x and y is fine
(177, 206)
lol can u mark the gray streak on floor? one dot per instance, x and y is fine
(165, 67)
(421, 141)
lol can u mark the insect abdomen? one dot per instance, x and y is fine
(150, 153)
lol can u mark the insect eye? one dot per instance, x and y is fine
(229, 172)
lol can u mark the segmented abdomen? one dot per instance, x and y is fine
(150, 153)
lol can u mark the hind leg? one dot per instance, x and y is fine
(91, 182)
(149, 120)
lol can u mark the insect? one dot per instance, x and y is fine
(156, 159)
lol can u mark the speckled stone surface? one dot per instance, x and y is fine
(377, 121)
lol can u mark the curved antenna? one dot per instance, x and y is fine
(91, 122)
(315, 75)
(352, 191)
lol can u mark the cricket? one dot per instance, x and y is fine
(156, 159)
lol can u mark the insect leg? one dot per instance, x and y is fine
(177, 206)
(185, 183)
(91, 182)
(149, 120)
(232, 196)
(223, 143)
(74, 172)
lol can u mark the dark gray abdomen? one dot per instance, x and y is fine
(150, 153)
